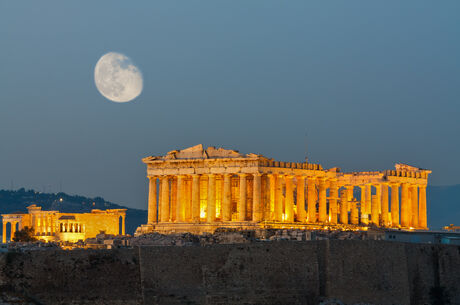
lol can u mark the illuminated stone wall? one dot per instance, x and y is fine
(352, 271)
(199, 190)
(56, 226)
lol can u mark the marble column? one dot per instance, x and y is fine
(227, 198)
(13, 229)
(173, 198)
(289, 202)
(395, 205)
(45, 225)
(322, 200)
(405, 212)
(364, 216)
(257, 210)
(354, 214)
(211, 210)
(301, 211)
(422, 208)
(122, 225)
(266, 198)
(242, 199)
(152, 205)
(333, 196)
(196, 198)
(188, 199)
(385, 218)
(311, 200)
(180, 197)
(368, 199)
(272, 182)
(279, 198)
(414, 206)
(349, 195)
(343, 207)
(375, 205)
(165, 199)
(4, 232)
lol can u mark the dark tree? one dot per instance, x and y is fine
(24, 235)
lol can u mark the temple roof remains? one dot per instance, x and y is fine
(198, 152)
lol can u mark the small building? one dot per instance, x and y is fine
(452, 228)
(71, 227)
(427, 237)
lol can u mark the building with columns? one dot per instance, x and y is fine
(72, 227)
(199, 190)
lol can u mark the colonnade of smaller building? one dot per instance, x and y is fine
(66, 227)
(241, 197)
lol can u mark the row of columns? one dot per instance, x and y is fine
(319, 207)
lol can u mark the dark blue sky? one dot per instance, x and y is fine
(372, 83)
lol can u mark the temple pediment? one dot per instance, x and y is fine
(406, 167)
(199, 152)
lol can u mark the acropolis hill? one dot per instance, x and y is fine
(199, 190)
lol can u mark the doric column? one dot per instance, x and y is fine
(343, 207)
(289, 202)
(333, 195)
(173, 198)
(279, 198)
(227, 198)
(385, 218)
(322, 200)
(354, 214)
(414, 206)
(257, 209)
(422, 208)
(196, 198)
(211, 210)
(52, 224)
(122, 225)
(242, 199)
(395, 205)
(4, 232)
(44, 225)
(265, 198)
(349, 195)
(152, 205)
(364, 217)
(272, 182)
(180, 204)
(376, 202)
(311, 200)
(188, 199)
(405, 213)
(301, 211)
(164, 199)
(13, 229)
(368, 199)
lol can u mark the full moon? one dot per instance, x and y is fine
(117, 78)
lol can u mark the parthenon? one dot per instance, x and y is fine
(199, 190)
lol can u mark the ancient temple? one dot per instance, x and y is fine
(72, 227)
(199, 190)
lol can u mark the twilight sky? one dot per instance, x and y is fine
(371, 83)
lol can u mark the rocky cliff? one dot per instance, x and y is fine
(312, 272)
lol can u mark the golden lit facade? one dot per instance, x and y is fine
(199, 190)
(72, 227)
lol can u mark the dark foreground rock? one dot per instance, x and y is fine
(278, 272)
